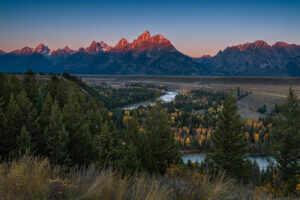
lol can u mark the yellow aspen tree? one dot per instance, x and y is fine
(187, 141)
(256, 137)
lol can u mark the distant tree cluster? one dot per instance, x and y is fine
(262, 109)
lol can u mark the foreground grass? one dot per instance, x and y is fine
(35, 178)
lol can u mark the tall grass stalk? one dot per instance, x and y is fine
(34, 178)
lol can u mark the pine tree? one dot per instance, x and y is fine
(160, 141)
(46, 110)
(24, 143)
(228, 141)
(104, 144)
(53, 85)
(94, 118)
(132, 152)
(109, 148)
(130, 162)
(31, 87)
(94, 122)
(2, 86)
(84, 146)
(44, 119)
(20, 112)
(15, 86)
(2, 130)
(78, 129)
(286, 137)
(133, 132)
(5, 91)
(56, 137)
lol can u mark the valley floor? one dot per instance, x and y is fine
(262, 90)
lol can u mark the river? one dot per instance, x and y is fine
(168, 97)
(262, 161)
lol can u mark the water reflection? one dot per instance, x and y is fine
(262, 161)
(168, 97)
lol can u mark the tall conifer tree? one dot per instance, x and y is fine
(56, 137)
(78, 129)
(24, 143)
(228, 141)
(160, 139)
(20, 112)
(132, 151)
(104, 144)
(31, 87)
(286, 137)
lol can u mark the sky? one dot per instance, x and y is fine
(195, 28)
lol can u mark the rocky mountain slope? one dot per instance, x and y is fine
(255, 59)
(155, 55)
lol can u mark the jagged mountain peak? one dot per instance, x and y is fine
(144, 42)
(43, 49)
(68, 50)
(144, 36)
(25, 50)
(259, 44)
(40, 46)
(80, 49)
(147, 42)
(94, 47)
(122, 43)
(257, 59)
(280, 44)
(97, 47)
(103, 44)
(154, 54)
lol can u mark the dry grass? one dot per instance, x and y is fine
(34, 178)
(26, 178)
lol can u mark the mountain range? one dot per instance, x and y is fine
(155, 55)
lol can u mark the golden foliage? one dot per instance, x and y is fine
(187, 141)
(256, 137)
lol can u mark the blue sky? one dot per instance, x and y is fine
(195, 28)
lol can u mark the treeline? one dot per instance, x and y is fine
(61, 121)
(118, 97)
(82, 85)
(124, 96)
(56, 119)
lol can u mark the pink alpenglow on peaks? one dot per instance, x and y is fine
(24, 50)
(122, 45)
(147, 42)
(68, 50)
(259, 44)
(42, 49)
(146, 35)
(97, 47)
(144, 42)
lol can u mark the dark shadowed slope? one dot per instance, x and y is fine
(155, 55)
